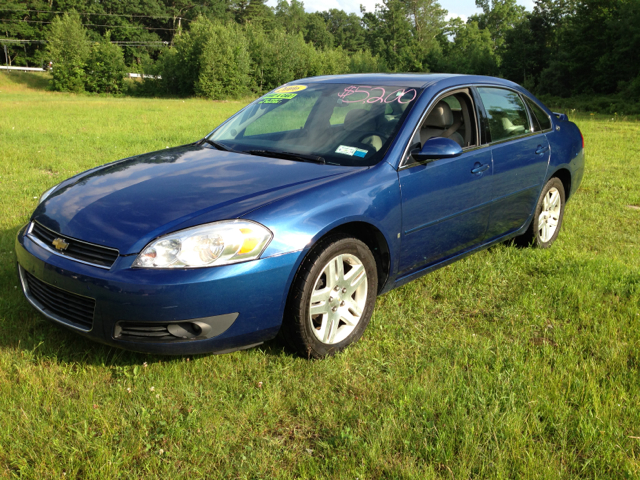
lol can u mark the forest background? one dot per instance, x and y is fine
(580, 53)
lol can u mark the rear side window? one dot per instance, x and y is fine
(541, 120)
(506, 113)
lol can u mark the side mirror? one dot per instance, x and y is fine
(437, 147)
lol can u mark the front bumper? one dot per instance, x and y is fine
(243, 304)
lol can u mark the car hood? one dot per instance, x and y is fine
(127, 204)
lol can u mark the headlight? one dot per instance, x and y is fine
(220, 243)
(46, 194)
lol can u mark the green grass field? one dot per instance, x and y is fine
(513, 363)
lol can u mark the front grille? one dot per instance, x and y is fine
(77, 249)
(71, 308)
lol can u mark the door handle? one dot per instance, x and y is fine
(541, 150)
(478, 169)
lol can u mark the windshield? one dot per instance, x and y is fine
(341, 124)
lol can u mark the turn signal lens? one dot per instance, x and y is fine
(250, 242)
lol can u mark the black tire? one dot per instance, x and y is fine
(533, 236)
(297, 325)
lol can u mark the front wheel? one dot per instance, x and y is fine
(547, 218)
(332, 298)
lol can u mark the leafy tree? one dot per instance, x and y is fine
(471, 50)
(524, 56)
(562, 47)
(347, 29)
(211, 60)
(597, 50)
(291, 16)
(364, 62)
(498, 16)
(317, 32)
(253, 11)
(531, 44)
(105, 68)
(15, 27)
(328, 62)
(390, 36)
(180, 66)
(278, 57)
(428, 20)
(224, 63)
(619, 60)
(68, 48)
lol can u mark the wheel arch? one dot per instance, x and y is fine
(564, 175)
(371, 236)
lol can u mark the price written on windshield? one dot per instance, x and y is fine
(370, 94)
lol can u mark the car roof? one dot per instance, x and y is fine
(415, 80)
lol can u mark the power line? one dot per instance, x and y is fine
(11, 40)
(5, 20)
(124, 43)
(99, 14)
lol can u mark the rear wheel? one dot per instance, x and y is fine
(547, 218)
(332, 298)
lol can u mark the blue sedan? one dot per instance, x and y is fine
(297, 212)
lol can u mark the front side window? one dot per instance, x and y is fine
(541, 120)
(452, 117)
(506, 113)
(342, 124)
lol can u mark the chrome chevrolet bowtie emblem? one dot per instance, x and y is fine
(60, 244)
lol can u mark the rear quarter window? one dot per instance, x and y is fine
(541, 119)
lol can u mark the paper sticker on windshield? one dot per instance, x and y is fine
(277, 97)
(351, 151)
(291, 89)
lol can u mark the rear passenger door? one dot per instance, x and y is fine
(520, 159)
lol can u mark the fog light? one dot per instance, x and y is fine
(196, 329)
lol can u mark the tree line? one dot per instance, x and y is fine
(223, 48)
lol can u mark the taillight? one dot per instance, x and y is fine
(582, 136)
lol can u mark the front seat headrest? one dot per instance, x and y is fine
(440, 117)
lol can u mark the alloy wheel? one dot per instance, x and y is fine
(338, 299)
(549, 218)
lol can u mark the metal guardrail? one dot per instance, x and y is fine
(139, 75)
(32, 69)
(22, 69)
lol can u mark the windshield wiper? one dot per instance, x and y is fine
(217, 145)
(301, 157)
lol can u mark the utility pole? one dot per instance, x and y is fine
(6, 55)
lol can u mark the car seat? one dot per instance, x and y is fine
(440, 123)
(361, 121)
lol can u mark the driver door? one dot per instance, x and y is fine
(446, 202)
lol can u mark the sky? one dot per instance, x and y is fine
(456, 8)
